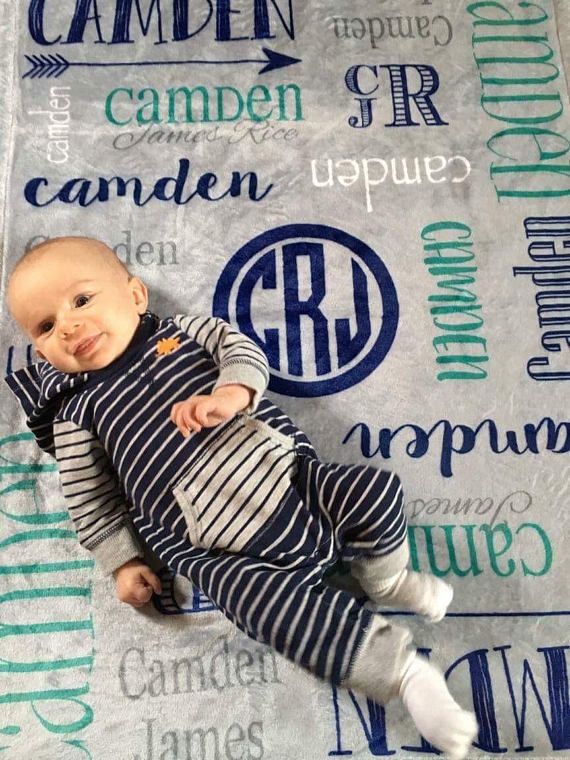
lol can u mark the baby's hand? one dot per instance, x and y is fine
(135, 583)
(208, 411)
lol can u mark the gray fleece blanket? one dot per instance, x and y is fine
(378, 193)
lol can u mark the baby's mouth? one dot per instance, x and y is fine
(85, 346)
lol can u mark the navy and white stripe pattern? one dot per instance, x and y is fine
(274, 592)
(41, 388)
(117, 420)
(232, 487)
(94, 497)
(258, 539)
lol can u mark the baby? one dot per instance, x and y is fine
(163, 440)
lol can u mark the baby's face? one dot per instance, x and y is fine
(79, 309)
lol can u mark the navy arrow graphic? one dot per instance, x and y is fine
(56, 65)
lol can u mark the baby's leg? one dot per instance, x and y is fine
(328, 632)
(422, 688)
(372, 530)
(405, 588)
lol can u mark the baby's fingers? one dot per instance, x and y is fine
(175, 416)
(140, 595)
(181, 417)
(189, 419)
(152, 579)
(204, 409)
(175, 411)
(144, 593)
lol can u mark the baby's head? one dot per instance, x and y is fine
(77, 302)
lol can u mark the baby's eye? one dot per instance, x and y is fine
(45, 327)
(82, 300)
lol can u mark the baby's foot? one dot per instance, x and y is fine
(435, 713)
(420, 592)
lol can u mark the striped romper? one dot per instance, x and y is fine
(244, 510)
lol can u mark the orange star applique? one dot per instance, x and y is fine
(167, 346)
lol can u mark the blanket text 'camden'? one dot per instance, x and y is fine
(85, 192)
(448, 257)
(509, 45)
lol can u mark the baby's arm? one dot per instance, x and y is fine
(197, 412)
(243, 377)
(98, 511)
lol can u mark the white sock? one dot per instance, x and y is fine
(420, 592)
(435, 713)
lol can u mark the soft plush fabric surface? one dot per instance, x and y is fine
(379, 194)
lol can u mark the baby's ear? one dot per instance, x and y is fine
(139, 294)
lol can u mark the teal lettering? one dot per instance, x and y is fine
(414, 559)
(453, 566)
(523, 99)
(547, 550)
(6, 666)
(188, 93)
(46, 567)
(12, 467)
(39, 522)
(438, 226)
(530, 108)
(36, 535)
(475, 373)
(282, 91)
(238, 101)
(539, 39)
(11, 629)
(533, 143)
(510, 21)
(490, 533)
(66, 695)
(109, 110)
(153, 106)
(252, 100)
(80, 744)
(458, 301)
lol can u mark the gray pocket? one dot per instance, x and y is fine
(234, 487)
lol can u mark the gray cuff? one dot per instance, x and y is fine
(370, 571)
(380, 661)
(244, 374)
(116, 549)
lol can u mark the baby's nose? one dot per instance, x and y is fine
(68, 326)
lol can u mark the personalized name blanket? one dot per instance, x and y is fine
(378, 194)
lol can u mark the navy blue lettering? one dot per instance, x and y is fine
(84, 191)
(235, 187)
(558, 727)
(401, 96)
(149, 11)
(121, 31)
(261, 19)
(374, 730)
(348, 348)
(542, 361)
(483, 699)
(36, 23)
(461, 439)
(352, 82)
(265, 270)
(223, 21)
(79, 22)
(295, 307)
